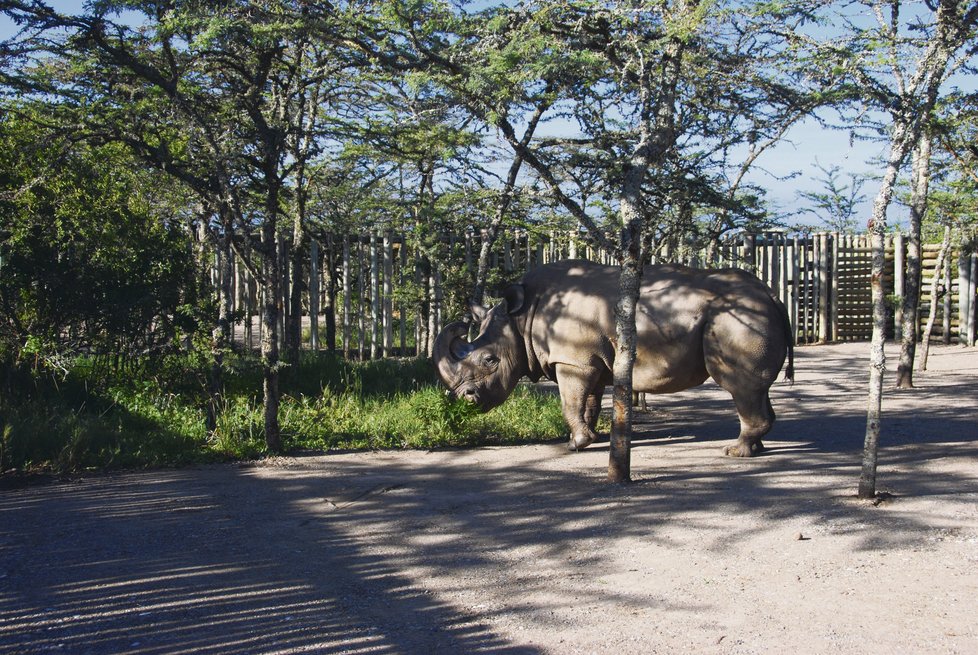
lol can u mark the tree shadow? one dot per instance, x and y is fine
(451, 551)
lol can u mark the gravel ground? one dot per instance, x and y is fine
(528, 549)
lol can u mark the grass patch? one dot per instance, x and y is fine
(155, 413)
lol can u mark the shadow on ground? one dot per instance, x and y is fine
(351, 554)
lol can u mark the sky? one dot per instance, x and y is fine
(785, 171)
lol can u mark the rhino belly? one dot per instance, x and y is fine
(667, 372)
(669, 354)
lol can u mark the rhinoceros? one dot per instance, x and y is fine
(559, 323)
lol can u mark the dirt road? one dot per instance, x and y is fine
(528, 549)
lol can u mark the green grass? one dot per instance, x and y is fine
(154, 413)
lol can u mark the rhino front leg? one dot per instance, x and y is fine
(579, 405)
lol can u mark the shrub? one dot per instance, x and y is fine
(154, 413)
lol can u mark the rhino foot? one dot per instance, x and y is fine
(580, 441)
(741, 449)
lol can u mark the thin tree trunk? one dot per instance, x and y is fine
(629, 282)
(271, 311)
(877, 358)
(935, 283)
(221, 334)
(911, 294)
(270, 318)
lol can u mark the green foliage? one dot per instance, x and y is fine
(86, 258)
(154, 414)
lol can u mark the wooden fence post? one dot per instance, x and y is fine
(972, 280)
(402, 306)
(948, 299)
(388, 292)
(375, 320)
(314, 294)
(834, 293)
(362, 288)
(817, 277)
(899, 276)
(347, 288)
(795, 286)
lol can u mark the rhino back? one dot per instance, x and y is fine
(571, 315)
(570, 319)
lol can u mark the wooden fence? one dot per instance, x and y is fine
(384, 298)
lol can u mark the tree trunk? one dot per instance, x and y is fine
(629, 283)
(935, 283)
(619, 461)
(221, 334)
(271, 286)
(877, 358)
(911, 294)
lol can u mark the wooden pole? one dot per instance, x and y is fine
(250, 293)
(375, 318)
(899, 274)
(328, 275)
(388, 292)
(402, 306)
(314, 294)
(834, 294)
(948, 299)
(795, 286)
(347, 288)
(972, 280)
(824, 310)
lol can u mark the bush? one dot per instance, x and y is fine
(154, 413)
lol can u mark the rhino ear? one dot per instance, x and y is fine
(514, 295)
(478, 312)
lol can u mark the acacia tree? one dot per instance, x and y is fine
(474, 60)
(655, 73)
(837, 203)
(225, 76)
(91, 256)
(637, 79)
(902, 77)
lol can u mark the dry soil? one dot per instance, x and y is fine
(528, 549)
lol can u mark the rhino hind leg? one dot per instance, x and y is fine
(756, 418)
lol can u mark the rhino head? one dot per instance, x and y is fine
(483, 371)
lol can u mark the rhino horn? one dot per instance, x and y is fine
(450, 349)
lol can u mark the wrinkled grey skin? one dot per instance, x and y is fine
(559, 323)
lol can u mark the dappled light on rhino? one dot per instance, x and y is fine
(559, 323)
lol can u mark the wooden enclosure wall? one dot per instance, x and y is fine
(823, 279)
